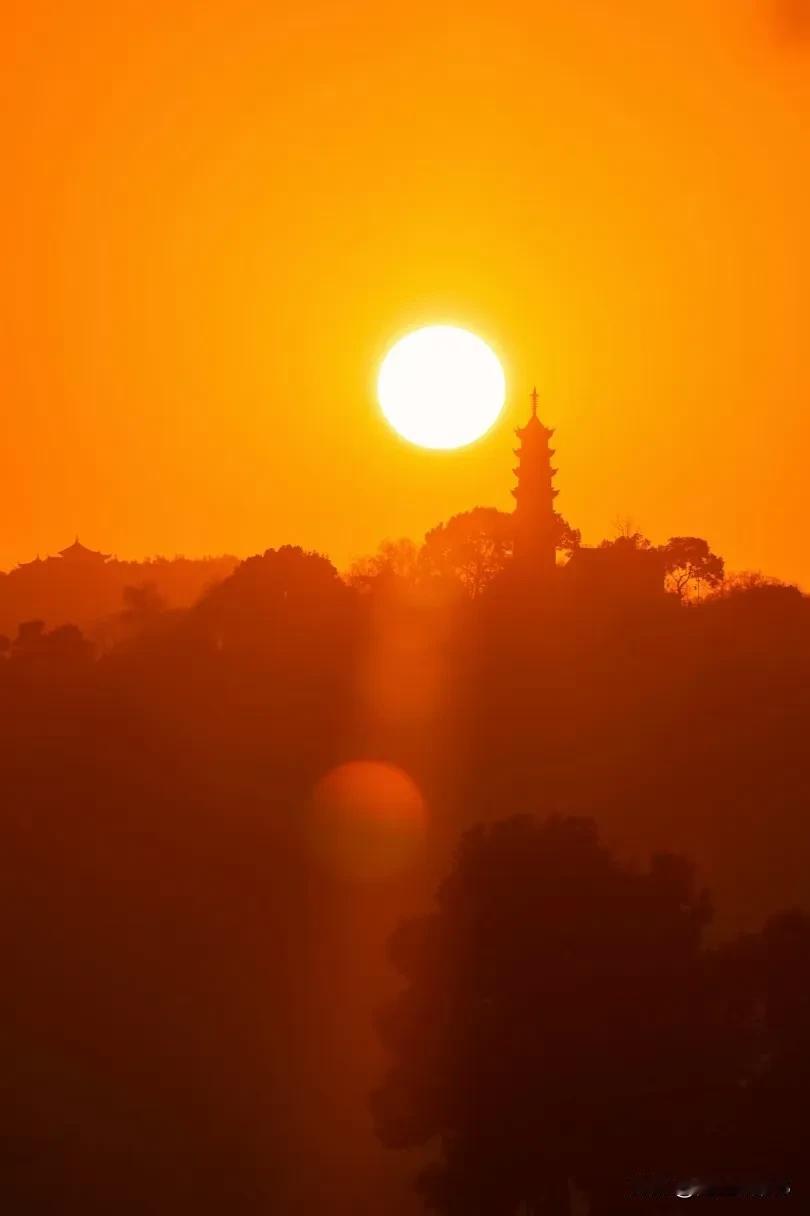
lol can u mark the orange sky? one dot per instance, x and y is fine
(216, 216)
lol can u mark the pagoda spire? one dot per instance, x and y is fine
(536, 524)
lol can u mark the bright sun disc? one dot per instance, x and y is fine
(441, 387)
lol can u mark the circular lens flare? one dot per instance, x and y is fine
(441, 387)
(367, 820)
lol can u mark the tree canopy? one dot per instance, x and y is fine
(563, 1021)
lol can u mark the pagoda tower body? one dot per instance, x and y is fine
(536, 526)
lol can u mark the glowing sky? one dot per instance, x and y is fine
(216, 218)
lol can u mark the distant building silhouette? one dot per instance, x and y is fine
(79, 553)
(32, 565)
(536, 524)
(97, 591)
(77, 556)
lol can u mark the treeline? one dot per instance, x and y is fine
(475, 549)
(471, 553)
(100, 598)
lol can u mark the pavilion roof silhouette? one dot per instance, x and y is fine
(79, 552)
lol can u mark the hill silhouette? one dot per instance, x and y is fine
(194, 986)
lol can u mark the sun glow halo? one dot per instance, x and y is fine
(441, 387)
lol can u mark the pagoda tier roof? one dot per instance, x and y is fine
(530, 476)
(533, 495)
(534, 427)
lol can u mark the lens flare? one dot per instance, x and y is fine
(367, 820)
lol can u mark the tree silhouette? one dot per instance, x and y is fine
(142, 604)
(393, 559)
(476, 546)
(762, 987)
(473, 547)
(689, 563)
(626, 540)
(738, 582)
(547, 1025)
(284, 589)
(30, 639)
(568, 539)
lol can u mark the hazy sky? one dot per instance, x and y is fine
(216, 217)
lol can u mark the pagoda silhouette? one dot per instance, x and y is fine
(619, 571)
(536, 523)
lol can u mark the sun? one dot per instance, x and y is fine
(441, 387)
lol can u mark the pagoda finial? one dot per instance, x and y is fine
(534, 401)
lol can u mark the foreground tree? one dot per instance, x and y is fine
(548, 1029)
(762, 982)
